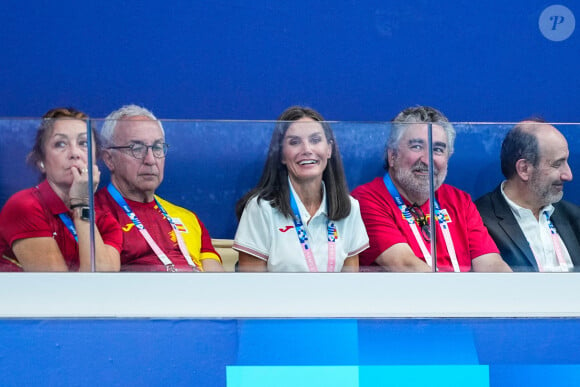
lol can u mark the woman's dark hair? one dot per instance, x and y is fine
(273, 185)
(45, 130)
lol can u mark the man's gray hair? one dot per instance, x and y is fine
(417, 115)
(108, 129)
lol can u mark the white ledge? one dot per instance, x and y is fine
(269, 295)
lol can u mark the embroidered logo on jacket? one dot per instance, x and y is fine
(286, 228)
(128, 227)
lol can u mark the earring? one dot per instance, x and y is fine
(41, 164)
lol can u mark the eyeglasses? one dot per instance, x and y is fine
(421, 219)
(139, 151)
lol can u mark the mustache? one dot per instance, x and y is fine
(421, 167)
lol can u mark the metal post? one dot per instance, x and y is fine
(433, 217)
(90, 144)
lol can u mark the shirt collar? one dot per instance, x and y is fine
(520, 211)
(303, 212)
(51, 199)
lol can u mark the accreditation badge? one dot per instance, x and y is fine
(179, 225)
(444, 216)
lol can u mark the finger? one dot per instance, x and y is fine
(75, 172)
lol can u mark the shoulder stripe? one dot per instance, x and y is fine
(250, 251)
(359, 250)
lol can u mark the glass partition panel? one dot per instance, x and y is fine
(474, 166)
(16, 140)
(209, 165)
(44, 178)
(538, 161)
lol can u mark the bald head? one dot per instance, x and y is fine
(536, 155)
(523, 142)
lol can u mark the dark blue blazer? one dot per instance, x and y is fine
(509, 237)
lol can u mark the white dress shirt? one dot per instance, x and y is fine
(539, 236)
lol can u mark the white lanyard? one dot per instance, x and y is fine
(557, 247)
(303, 239)
(415, 228)
(154, 246)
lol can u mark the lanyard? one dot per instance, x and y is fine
(303, 238)
(70, 225)
(557, 247)
(415, 229)
(154, 246)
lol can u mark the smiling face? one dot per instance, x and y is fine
(305, 151)
(547, 179)
(65, 148)
(136, 179)
(409, 165)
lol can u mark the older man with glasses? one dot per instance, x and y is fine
(157, 235)
(395, 208)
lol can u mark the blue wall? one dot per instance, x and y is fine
(352, 60)
(281, 352)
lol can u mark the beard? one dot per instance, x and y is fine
(547, 192)
(417, 186)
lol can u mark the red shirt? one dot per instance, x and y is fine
(386, 225)
(136, 254)
(34, 213)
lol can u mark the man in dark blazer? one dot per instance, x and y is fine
(533, 229)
